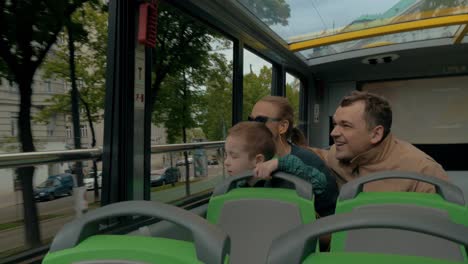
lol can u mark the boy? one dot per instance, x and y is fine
(249, 144)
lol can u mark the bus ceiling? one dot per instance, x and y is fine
(459, 20)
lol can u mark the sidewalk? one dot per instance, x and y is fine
(10, 199)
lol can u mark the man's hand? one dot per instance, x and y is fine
(263, 170)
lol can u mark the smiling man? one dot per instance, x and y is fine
(364, 145)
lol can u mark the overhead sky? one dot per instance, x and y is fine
(309, 16)
(249, 59)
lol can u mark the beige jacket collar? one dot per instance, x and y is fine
(374, 155)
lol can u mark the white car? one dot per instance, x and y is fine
(89, 181)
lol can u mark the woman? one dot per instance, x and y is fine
(278, 116)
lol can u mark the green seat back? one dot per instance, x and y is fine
(447, 202)
(365, 258)
(254, 217)
(80, 242)
(431, 200)
(216, 204)
(300, 244)
(126, 249)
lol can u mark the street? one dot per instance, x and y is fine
(63, 207)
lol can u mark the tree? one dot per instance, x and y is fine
(218, 98)
(292, 93)
(182, 44)
(32, 28)
(180, 63)
(91, 43)
(89, 27)
(178, 105)
(271, 12)
(255, 87)
(178, 108)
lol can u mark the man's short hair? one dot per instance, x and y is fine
(257, 137)
(377, 109)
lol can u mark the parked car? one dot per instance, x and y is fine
(170, 175)
(181, 162)
(89, 180)
(55, 186)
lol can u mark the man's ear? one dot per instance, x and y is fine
(377, 134)
(283, 126)
(259, 158)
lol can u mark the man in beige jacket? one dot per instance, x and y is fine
(364, 145)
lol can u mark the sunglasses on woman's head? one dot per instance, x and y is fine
(263, 119)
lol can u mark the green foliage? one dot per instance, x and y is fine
(271, 12)
(218, 96)
(59, 103)
(29, 29)
(33, 28)
(90, 32)
(217, 100)
(178, 105)
(255, 87)
(180, 63)
(292, 93)
(182, 44)
(195, 133)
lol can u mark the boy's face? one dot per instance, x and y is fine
(237, 159)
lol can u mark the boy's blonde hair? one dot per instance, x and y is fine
(257, 137)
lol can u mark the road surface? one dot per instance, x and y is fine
(14, 238)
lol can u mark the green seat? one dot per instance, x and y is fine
(77, 242)
(253, 217)
(447, 202)
(299, 245)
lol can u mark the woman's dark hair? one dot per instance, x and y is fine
(298, 138)
(286, 112)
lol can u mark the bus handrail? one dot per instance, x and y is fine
(186, 146)
(24, 159)
(42, 157)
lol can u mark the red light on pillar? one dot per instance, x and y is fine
(147, 24)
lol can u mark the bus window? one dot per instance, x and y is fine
(193, 104)
(257, 80)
